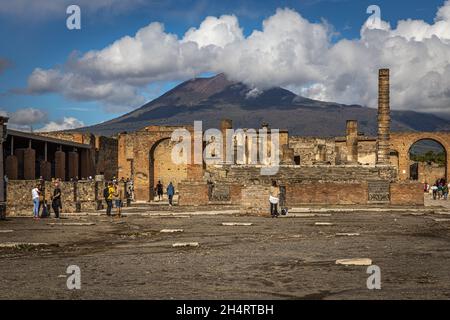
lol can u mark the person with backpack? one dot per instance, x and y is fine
(170, 192)
(35, 193)
(108, 192)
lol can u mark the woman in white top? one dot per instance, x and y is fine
(35, 194)
(274, 198)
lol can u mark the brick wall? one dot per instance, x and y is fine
(407, 193)
(85, 193)
(193, 193)
(326, 193)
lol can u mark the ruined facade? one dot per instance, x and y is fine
(347, 170)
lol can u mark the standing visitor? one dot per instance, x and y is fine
(159, 190)
(35, 196)
(274, 198)
(119, 196)
(170, 192)
(108, 194)
(434, 190)
(56, 200)
(445, 191)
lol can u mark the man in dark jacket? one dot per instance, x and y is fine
(56, 200)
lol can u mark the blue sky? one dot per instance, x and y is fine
(36, 37)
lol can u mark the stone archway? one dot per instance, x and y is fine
(402, 143)
(162, 168)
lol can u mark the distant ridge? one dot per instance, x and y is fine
(215, 98)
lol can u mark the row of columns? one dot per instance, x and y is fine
(24, 160)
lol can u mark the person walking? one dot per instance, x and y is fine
(56, 200)
(434, 190)
(108, 195)
(274, 198)
(445, 191)
(35, 195)
(159, 190)
(170, 192)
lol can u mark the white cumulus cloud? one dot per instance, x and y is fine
(288, 51)
(66, 123)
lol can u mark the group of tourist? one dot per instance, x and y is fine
(39, 201)
(439, 190)
(160, 193)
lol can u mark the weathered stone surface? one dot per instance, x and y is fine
(347, 234)
(6, 231)
(73, 224)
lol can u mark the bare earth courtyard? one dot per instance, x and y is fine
(285, 258)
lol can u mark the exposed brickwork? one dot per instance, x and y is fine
(407, 194)
(326, 193)
(193, 193)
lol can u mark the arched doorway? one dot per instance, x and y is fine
(427, 161)
(162, 168)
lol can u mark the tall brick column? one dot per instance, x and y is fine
(19, 153)
(29, 164)
(60, 165)
(384, 117)
(45, 170)
(352, 142)
(73, 164)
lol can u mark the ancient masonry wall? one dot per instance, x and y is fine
(81, 196)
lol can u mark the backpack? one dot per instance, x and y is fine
(106, 193)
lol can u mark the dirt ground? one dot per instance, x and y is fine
(285, 258)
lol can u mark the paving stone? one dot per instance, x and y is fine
(185, 244)
(355, 262)
(324, 224)
(230, 224)
(171, 230)
(347, 234)
(6, 231)
(71, 224)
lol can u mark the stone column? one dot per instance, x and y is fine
(3, 122)
(224, 125)
(29, 164)
(384, 118)
(46, 170)
(85, 165)
(11, 168)
(73, 164)
(60, 165)
(352, 142)
(19, 153)
(322, 153)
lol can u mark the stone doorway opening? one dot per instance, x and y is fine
(427, 161)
